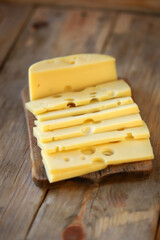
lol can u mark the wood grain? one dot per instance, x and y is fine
(114, 210)
(129, 5)
(12, 19)
(134, 170)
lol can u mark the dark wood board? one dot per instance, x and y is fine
(113, 172)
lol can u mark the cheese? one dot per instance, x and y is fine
(97, 116)
(64, 100)
(94, 139)
(63, 165)
(88, 128)
(72, 72)
(93, 107)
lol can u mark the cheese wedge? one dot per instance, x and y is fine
(94, 139)
(89, 128)
(97, 116)
(72, 72)
(63, 165)
(65, 100)
(93, 107)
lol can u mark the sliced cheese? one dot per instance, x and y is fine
(72, 72)
(89, 128)
(97, 116)
(93, 107)
(94, 139)
(65, 100)
(63, 165)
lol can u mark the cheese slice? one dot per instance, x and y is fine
(72, 72)
(94, 139)
(65, 100)
(97, 116)
(89, 128)
(69, 164)
(93, 107)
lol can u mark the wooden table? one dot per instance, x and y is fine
(119, 210)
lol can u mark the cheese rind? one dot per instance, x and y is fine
(63, 165)
(93, 107)
(76, 72)
(101, 92)
(97, 116)
(84, 129)
(94, 139)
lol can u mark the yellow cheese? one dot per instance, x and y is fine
(97, 116)
(72, 72)
(93, 107)
(94, 139)
(65, 100)
(63, 165)
(89, 128)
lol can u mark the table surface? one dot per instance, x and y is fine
(118, 210)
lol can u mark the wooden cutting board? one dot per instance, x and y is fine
(111, 173)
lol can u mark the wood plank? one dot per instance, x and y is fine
(49, 33)
(124, 209)
(127, 5)
(122, 171)
(12, 19)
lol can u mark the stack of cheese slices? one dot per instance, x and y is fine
(86, 118)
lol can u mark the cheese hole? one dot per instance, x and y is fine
(88, 151)
(98, 160)
(67, 88)
(87, 130)
(88, 121)
(118, 103)
(71, 104)
(129, 136)
(66, 159)
(38, 85)
(108, 152)
(121, 129)
(94, 100)
(91, 121)
(57, 96)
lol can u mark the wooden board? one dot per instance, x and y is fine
(117, 172)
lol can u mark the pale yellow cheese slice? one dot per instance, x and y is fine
(97, 116)
(94, 139)
(93, 107)
(89, 128)
(72, 72)
(65, 100)
(63, 165)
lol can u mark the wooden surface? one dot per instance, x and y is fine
(120, 210)
(127, 5)
(111, 173)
